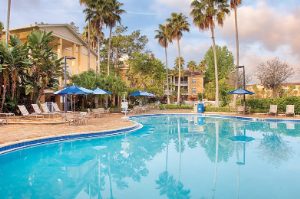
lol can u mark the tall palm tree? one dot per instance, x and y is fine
(164, 38)
(1, 29)
(95, 36)
(96, 12)
(178, 24)
(206, 13)
(234, 4)
(8, 20)
(86, 3)
(112, 18)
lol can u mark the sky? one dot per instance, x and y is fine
(267, 28)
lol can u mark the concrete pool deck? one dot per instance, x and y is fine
(15, 133)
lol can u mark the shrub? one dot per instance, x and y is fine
(175, 106)
(263, 105)
(218, 109)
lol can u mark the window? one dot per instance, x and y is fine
(194, 81)
(194, 91)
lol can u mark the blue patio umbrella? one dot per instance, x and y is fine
(241, 91)
(73, 90)
(141, 94)
(99, 91)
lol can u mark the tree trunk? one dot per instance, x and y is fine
(216, 67)
(99, 63)
(237, 55)
(8, 20)
(40, 93)
(3, 94)
(109, 49)
(167, 72)
(179, 72)
(89, 50)
(14, 84)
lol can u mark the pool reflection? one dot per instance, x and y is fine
(171, 157)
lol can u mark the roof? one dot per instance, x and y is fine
(68, 26)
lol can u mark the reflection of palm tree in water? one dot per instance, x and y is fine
(216, 160)
(167, 184)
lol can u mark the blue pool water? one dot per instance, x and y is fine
(172, 156)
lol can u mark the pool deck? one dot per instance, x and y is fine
(16, 133)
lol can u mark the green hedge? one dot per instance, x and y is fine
(218, 109)
(175, 106)
(263, 105)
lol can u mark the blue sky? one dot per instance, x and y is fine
(268, 28)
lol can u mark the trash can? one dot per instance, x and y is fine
(200, 108)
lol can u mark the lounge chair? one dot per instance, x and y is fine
(56, 109)
(38, 111)
(290, 110)
(25, 112)
(47, 111)
(240, 110)
(3, 121)
(273, 110)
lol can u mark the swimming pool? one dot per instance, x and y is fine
(172, 156)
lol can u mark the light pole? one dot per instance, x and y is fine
(244, 86)
(8, 20)
(65, 80)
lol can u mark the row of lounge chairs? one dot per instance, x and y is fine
(290, 110)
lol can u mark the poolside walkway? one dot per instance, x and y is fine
(18, 132)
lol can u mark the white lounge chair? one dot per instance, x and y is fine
(56, 108)
(273, 110)
(290, 110)
(3, 121)
(47, 111)
(25, 112)
(38, 111)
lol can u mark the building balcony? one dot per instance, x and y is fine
(182, 83)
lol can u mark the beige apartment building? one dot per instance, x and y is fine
(67, 42)
(192, 84)
(287, 89)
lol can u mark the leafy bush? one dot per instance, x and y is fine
(175, 106)
(263, 105)
(218, 109)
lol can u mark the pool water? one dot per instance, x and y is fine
(172, 156)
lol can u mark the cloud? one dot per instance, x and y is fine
(265, 32)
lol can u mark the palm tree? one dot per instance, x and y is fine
(96, 12)
(95, 36)
(192, 66)
(206, 14)
(178, 24)
(8, 20)
(163, 36)
(111, 19)
(14, 60)
(1, 29)
(86, 3)
(234, 4)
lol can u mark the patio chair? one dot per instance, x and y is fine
(273, 110)
(25, 112)
(47, 111)
(56, 108)
(95, 113)
(3, 121)
(290, 110)
(240, 109)
(38, 111)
